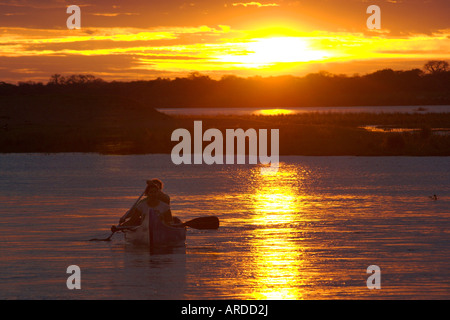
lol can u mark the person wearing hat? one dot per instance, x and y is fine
(160, 194)
(155, 199)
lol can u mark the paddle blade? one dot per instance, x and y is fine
(106, 239)
(203, 223)
(95, 239)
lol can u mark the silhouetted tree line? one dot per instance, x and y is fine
(383, 87)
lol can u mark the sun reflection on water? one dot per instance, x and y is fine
(273, 112)
(276, 206)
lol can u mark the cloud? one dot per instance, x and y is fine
(141, 38)
(115, 14)
(255, 4)
(19, 42)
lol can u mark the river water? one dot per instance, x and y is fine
(307, 232)
(299, 110)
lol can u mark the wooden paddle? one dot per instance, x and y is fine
(202, 223)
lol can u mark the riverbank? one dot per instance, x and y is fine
(108, 127)
(334, 134)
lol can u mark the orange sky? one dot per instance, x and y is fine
(147, 39)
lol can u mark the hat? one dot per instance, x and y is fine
(156, 182)
(151, 183)
(151, 187)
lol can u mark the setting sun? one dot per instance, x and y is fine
(150, 39)
(260, 52)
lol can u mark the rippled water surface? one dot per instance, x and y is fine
(299, 110)
(307, 232)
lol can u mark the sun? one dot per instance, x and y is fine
(282, 49)
(262, 52)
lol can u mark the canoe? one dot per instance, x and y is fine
(153, 232)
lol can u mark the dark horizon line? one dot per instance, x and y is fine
(199, 75)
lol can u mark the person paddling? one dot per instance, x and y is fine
(155, 199)
(160, 194)
(158, 202)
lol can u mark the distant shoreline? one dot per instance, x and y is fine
(82, 113)
(308, 134)
(183, 111)
(318, 106)
(380, 88)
